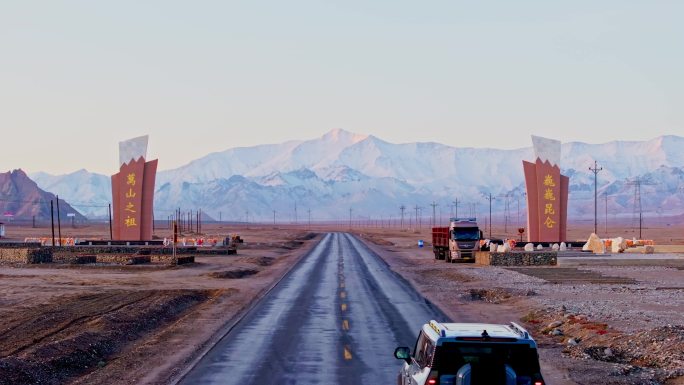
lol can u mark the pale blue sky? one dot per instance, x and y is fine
(76, 77)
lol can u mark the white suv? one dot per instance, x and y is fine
(470, 354)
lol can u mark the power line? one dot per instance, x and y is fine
(402, 208)
(507, 210)
(606, 228)
(637, 183)
(417, 223)
(595, 170)
(490, 198)
(433, 204)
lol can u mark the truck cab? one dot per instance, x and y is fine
(470, 354)
(464, 238)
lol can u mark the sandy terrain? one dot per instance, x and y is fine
(88, 325)
(625, 321)
(131, 324)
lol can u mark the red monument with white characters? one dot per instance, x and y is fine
(547, 193)
(133, 192)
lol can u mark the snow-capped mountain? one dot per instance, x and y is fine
(90, 192)
(342, 170)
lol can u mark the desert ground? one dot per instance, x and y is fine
(615, 320)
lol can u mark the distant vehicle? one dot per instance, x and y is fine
(470, 354)
(458, 242)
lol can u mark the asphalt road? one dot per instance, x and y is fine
(336, 318)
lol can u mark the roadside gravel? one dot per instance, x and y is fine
(589, 332)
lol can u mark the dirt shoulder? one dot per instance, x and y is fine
(589, 331)
(133, 324)
(49, 344)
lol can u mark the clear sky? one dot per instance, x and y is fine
(77, 77)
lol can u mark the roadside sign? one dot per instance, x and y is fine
(71, 215)
(420, 243)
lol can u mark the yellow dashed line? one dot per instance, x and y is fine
(345, 322)
(347, 353)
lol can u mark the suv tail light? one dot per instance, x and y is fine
(433, 378)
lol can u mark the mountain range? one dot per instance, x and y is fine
(21, 198)
(341, 170)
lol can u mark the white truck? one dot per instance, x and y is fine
(458, 242)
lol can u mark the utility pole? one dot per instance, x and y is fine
(490, 198)
(109, 211)
(637, 197)
(59, 224)
(507, 210)
(350, 218)
(402, 208)
(595, 170)
(433, 204)
(295, 212)
(637, 183)
(52, 220)
(456, 208)
(606, 229)
(309, 212)
(274, 212)
(417, 208)
(507, 213)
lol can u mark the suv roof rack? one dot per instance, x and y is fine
(438, 327)
(520, 330)
(459, 219)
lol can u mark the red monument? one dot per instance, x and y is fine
(547, 193)
(133, 192)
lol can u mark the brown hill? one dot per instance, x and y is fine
(21, 198)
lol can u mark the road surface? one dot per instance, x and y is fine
(335, 318)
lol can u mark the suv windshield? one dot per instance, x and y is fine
(487, 360)
(466, 234)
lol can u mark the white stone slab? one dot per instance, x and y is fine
(547, 149)
(132, 149)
